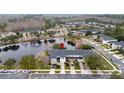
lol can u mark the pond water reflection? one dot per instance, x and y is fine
(30, 48)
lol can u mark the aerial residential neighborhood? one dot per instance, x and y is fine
(61, 46)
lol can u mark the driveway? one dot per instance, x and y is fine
(62, 69)
(72, 68)
(84, 68)
(52, 71)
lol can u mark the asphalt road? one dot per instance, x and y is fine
(108, 55)
(69, 76)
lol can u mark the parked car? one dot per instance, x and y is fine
(53, 65)
(72, 64)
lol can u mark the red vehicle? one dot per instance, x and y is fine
(62, 45)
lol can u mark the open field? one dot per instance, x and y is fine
(98, 63)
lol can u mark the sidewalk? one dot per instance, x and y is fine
(72, 69)
(62, 69)
(52, 71)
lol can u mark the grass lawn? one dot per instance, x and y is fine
(40, 71)
(115, 65)
(42, 65)
(2, 67)
(94, 72)
(118, 52)
(113, 50)
(121, 55)
(38, 65)
(12, 67)
(96, 62)
(105, 46)
(105, 72)
(77, 67)
(67, 67)
(78, 72)
(57, 69)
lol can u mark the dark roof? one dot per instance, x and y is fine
(119, 43)
(30, 30)
(92, 30)
(83, 30)
(105, 37)
(64, 53)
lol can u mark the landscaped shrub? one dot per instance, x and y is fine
(85, 47)
(9, 63)
(57, 46)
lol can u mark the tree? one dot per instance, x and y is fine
(91, 20)
(85, 47)
(88, 33)
(117, 33)
(48, 24)
(27, 62)
(36, 34)
(3, 26)
(10, 39)
(9, 63)
(58, 46)
(94, 63)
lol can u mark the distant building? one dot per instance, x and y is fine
(106, 39)
(93, 31)
(83, 32)
(117, 45)
(73, 24)
(59, 30)
(5, 34)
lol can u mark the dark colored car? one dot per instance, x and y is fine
(72, 64)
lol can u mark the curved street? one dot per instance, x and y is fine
(106, 54)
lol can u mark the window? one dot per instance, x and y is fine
(58, 59)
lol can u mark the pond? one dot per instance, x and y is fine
(30, 48)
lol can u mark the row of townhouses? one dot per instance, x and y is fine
(59, 30)
(114, 43)
(5, 34)
(95, 24)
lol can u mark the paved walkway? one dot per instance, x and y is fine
(99, 72)
(62, 68)
(52, 71)
(72, 69)
(69, 76)
(84, 69)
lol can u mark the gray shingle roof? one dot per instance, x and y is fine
(64, 53)
(121, 43)
(105, 37)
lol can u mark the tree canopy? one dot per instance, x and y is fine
(117, 33)
(27, 62)
(10, 63)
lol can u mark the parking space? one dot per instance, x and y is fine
(84, 68)
(14, 76)
(52, 70)
(72, 68)
(62, 68)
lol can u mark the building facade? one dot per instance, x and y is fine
(62, 56)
